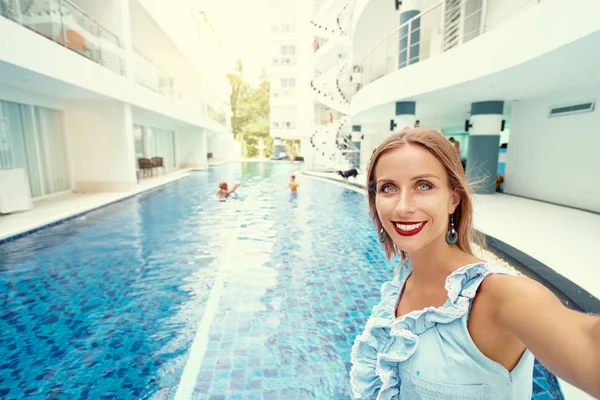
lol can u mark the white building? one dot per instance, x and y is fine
(290, 73)
(88, 87)
(521, 72)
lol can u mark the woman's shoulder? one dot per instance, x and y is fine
(501, 285)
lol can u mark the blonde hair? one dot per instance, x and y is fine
(434, 142)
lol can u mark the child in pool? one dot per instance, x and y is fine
(292, 184)
(224, 192)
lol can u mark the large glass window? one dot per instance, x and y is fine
(33, 138)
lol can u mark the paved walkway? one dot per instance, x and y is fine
(62, 206)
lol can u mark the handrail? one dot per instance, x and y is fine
(67, 24)
(88, 16)
(405, 24)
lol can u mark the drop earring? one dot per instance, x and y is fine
(452, 235)
(382, 236)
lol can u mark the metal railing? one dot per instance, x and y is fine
(148, 74)
(442, 27)
(413, 41)
(66, 24)
(216, 114)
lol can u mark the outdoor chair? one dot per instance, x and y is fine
(145, 165)
(157, 162)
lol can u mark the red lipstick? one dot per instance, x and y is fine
(419, 225)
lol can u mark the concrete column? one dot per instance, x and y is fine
(405, 115)
(484, 140)
(410, 35)
(191, 148)
(101, 146)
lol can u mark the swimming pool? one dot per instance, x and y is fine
(257, 298)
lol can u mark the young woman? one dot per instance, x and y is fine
(448, 326)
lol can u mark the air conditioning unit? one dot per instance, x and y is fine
(290, 125)
(574, 108)
(276, 124)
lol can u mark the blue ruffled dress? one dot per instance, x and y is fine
(428, 354)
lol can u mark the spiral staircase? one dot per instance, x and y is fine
(332, 142)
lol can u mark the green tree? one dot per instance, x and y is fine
(251, 113)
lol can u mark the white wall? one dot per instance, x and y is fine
(498, 11)
(555, 159)
(191, 148)
(374, 134)
(100, 146)
(377, 20)
(224, 147)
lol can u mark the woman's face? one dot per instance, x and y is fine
(413, 199)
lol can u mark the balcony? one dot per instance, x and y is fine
(216, 115)
(64, 23)
(442, 27)
(148, 74)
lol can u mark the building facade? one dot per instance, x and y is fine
(290, 74)
(88, 88)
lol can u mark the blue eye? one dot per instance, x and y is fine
(424, 186)
(387, 189)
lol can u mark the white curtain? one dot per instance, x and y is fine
(52, 150)
(32, 138)
(18, 144)
(165, 147)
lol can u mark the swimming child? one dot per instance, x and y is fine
(292, 184)
(223, 193)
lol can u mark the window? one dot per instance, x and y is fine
(288, 82)
(288, 50)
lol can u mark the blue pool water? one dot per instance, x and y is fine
(108, 305)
